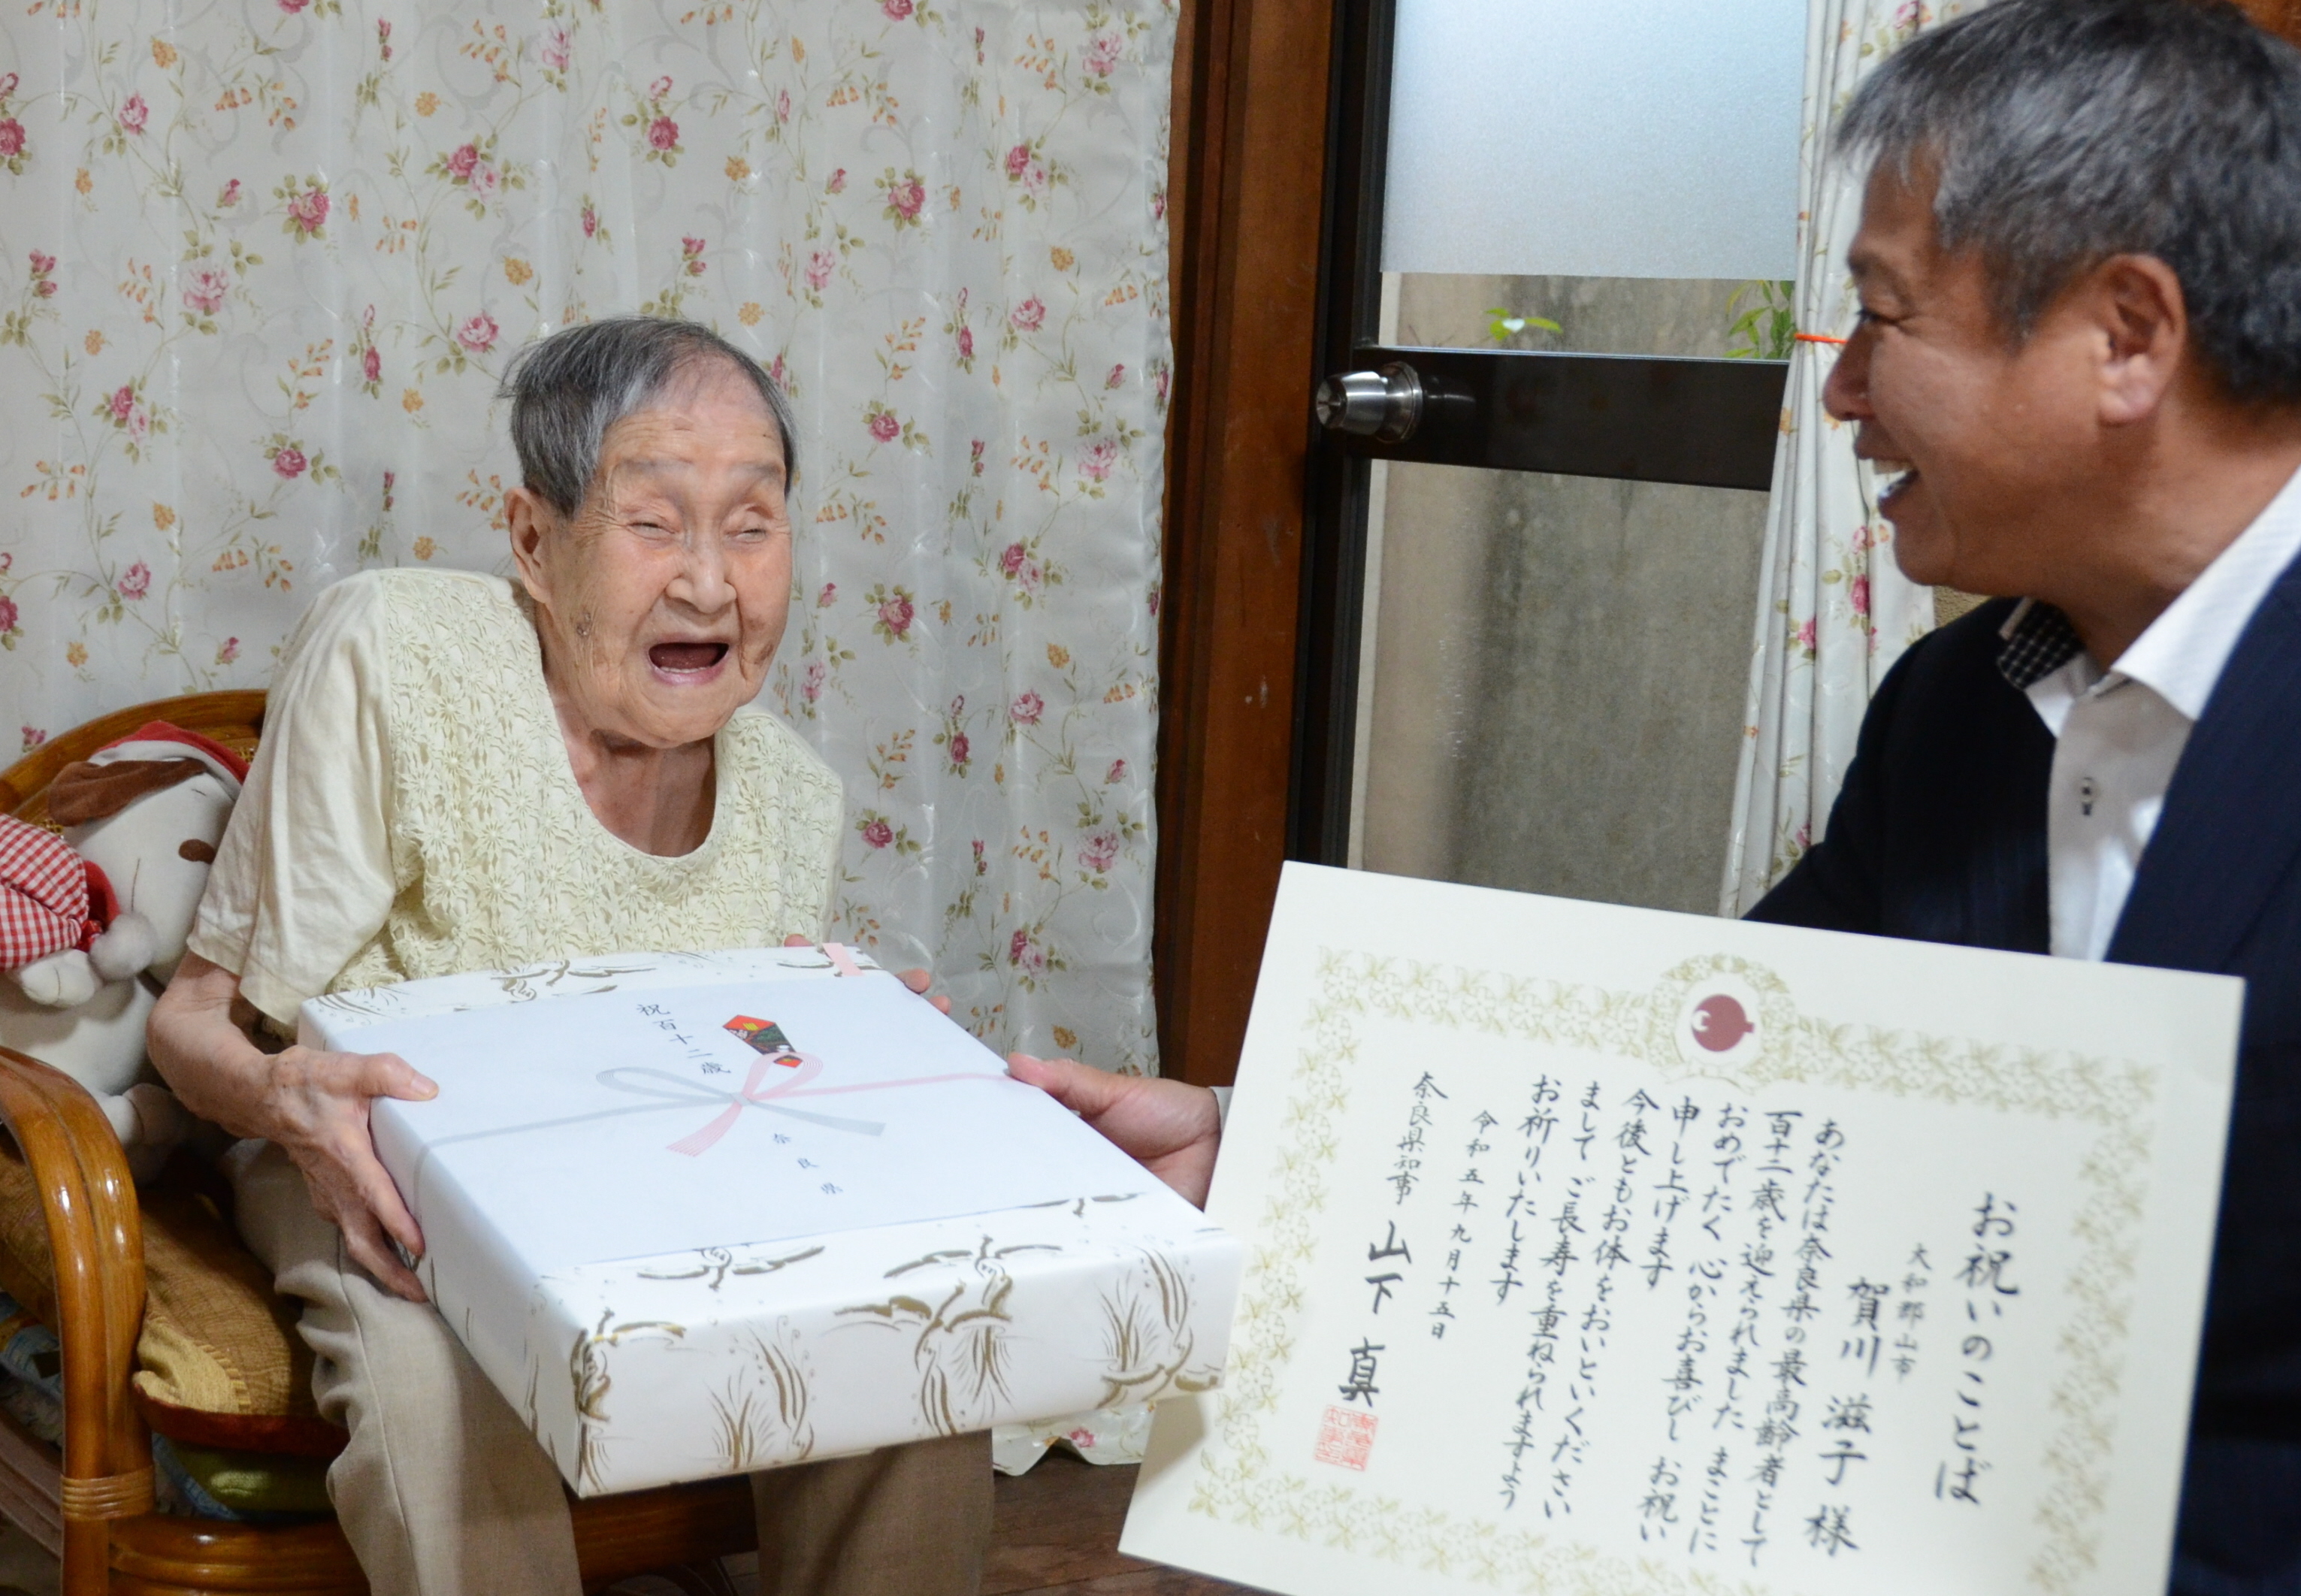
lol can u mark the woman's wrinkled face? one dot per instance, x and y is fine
(662, 599)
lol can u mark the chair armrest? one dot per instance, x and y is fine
(96, 1239)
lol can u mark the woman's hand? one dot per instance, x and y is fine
(1170, 1128)
(918, 981)
(315, 1105)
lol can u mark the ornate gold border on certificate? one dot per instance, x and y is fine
(1237, 1480)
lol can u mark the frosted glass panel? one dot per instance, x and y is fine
(1559, 137)
(1558, 670)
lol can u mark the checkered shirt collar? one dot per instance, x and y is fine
(2039, 640)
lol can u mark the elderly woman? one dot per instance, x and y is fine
(464, 772)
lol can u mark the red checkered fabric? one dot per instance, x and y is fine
(44, 905)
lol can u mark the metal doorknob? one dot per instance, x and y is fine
(1386, 404)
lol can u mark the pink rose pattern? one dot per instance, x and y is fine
(204, 291)
(906, 197)
(308, 211)
(896, 614)
(974, 647)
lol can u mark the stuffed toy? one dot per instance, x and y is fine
(93, 922)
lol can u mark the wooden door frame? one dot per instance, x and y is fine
(1247, 178)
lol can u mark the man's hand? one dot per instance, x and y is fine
(1173, 1130)
(316, 1107)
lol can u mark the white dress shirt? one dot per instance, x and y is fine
(2118, 734)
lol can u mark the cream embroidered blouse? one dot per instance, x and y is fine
(412, 812)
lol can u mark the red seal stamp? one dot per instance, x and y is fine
(1345, 1437)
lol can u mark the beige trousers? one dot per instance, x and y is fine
(442, 1491)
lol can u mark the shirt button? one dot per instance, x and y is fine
(2088, 791)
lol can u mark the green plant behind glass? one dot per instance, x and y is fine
(1504, 326)
(1768, 328)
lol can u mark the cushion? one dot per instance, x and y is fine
(194, 1482)
(220, 1366)
(244, 1487)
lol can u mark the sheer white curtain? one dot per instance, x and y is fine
(1834, 610)
(263, 261)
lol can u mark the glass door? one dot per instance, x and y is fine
(1554, 320)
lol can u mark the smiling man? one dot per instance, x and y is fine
(2080, 362)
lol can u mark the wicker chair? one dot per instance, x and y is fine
(93, 1505)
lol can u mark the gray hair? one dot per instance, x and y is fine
(568, 389)
(2063, 132)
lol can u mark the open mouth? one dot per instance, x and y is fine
(686, 658)
(1893, 477)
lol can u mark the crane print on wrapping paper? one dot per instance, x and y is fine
(961, 1348)
(1147, 1335)
(586, 1369)
(763, 1426)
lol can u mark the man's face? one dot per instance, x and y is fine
(1992, 439)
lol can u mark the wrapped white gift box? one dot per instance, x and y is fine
(699, 1215)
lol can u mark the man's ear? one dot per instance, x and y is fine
(530, 520)
(2143, 324)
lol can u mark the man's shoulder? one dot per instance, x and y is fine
(1976, 637)
(1952, 670)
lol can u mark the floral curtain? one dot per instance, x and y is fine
(1834, 610)
(261, 264)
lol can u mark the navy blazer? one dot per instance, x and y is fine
(1939, 834)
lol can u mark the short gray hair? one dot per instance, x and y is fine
(568, 389)
(2063, 132)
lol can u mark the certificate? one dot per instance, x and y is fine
(1595, 1249)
